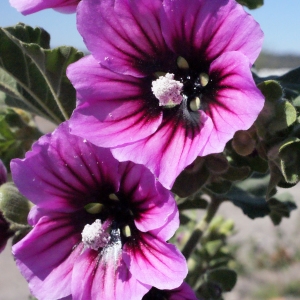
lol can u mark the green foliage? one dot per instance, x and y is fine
(252, 4)
(33, 76)
(17, 133)
(278, 114)
(209, 273)
(14, 206)
(250, 196)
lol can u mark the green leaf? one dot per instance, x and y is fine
(237, 173)
(16, 136)
(191, 179)
(196, 203)
(251, 4)
(32, 76)
(277, 114)
(289, 154)
(219, 186)
(281, 207)
(226, 278)
(213, 247)
(251, 205)
(290, 82)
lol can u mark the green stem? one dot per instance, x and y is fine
(201, 227)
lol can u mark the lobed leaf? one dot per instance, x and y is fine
(32, 76)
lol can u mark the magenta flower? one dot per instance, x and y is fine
(27, 7)
(183, 292)
(168, 80)
(99, 226)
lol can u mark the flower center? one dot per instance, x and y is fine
(113, 223)
(167, 90)
(95, 236)
(186, 85)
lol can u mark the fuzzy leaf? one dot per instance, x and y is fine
(226, 278)
(16, 136)
(32, 76)
(281, 207)
(289, 154)
(252, 4)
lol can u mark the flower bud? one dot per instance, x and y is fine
(243, 143)
(216, 163)
(14, 206)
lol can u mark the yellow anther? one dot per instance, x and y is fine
(195, 104)
(126, 231)
(182, 63)
(204, 79)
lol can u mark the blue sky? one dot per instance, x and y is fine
(279, 20)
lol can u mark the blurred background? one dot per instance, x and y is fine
(268, 256)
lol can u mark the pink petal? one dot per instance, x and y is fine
(236, 102)
(168, 229)
(206, 29)
(155, 262)
(62, 170)
(152, 205)
(113, 104)
(96, 279)
(183, 292)
(27, 7)
(169, 150)
(46, 256)
(124, 36)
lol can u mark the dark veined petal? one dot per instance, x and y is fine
(201, 30)
(169, 150)
(64, 172)
(27, 7)
(47, 254)
(233, 102)
(100, 276)
(122, 35)
(151, 204)
(183, 292)
(167, 230)
(112, 108)
(155, 262)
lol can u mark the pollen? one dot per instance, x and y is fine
(167, 90)
(195, 104)
(204, 79)
(94, 236)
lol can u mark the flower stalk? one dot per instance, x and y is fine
(201, 227)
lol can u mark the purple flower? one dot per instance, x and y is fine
(183, 292)
(168, 80)
(27, 7)
(99, 226)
